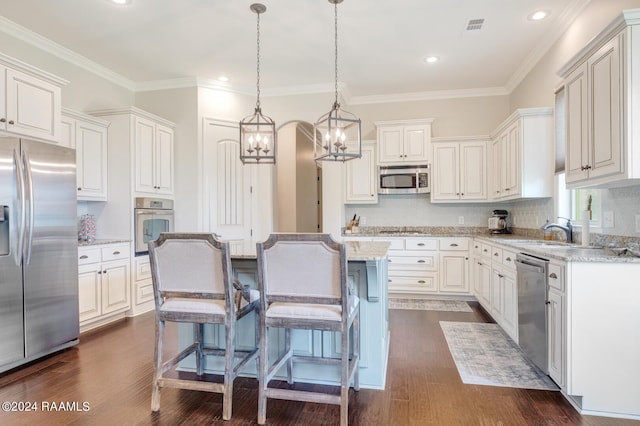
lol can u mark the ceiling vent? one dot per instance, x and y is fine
(474, 24)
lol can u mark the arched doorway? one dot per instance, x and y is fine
(298, 191)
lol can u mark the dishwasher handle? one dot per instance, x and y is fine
(529, 267)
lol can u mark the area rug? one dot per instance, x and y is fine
(485, 355)
(430, 305)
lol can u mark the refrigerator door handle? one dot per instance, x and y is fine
(28, 201)
(21, 213)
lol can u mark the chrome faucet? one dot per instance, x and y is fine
(568, 228)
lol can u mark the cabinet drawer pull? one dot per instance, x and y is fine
(553, 275)
(500, 276)
(421, 244)
(84, 256)
(485, 250)
(421, 281)
(421, 261)
(495, 254)
(453, 245)
(117, 252)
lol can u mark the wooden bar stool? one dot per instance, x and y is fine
(193, 283)
(303, 285)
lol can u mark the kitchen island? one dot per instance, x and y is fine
(367, 265)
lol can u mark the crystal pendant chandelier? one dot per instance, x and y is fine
(337, 133)
(257, 131)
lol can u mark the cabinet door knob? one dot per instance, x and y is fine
(495, 254)
(104, 272)
(500, 276)
(11, 122)
(553, 276)
(508, 259)
(99, 272)
(79, 189)
(3, 120)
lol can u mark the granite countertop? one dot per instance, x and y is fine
(562, 251)
(356, 250)
(366, 250)
(100, 242)
(535, 246)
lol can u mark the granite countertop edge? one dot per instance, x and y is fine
(101, 242)
(514, 241)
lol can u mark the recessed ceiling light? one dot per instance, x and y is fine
(538, 15)
(431, 59)
(121, 2)
(223, 78)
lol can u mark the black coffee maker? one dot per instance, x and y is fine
(498, 222)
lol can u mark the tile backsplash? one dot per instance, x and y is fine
(525, 216)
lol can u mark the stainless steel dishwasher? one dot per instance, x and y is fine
(532, 308)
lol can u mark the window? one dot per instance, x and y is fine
(572, 202)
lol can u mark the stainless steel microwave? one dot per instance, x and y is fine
(408, 179)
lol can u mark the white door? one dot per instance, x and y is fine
(237, 199)
(228, 188)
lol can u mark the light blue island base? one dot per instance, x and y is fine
(368, 277)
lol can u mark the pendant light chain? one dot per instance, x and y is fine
(335, 8)
(258, 64)
(337, 134)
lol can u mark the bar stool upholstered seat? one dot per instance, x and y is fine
(303, 285)
(193, 283)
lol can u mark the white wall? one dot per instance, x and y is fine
(452, 117)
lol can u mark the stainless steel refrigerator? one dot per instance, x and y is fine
(38, 251)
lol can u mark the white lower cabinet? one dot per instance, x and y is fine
(454, 265)
(428, 265)
(556, 322)
(103, 284)
(142, 289)
(413, 265)
(495, 284)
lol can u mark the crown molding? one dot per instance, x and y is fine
(429, 96)
(35, 39)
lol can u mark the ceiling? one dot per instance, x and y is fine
(382, 44)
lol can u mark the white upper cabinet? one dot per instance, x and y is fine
(459, 170)
(153, 157)
(601, 108)
(404, 142)
(88, 135)
(521, 159)
(361, 176)
(30, 101)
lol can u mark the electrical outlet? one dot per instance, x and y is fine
(607, 219)
(638, 223)
(363, 220)
(460, 220)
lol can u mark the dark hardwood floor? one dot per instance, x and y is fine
(111, 370)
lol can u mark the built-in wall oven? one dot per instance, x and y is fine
(152, 216)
